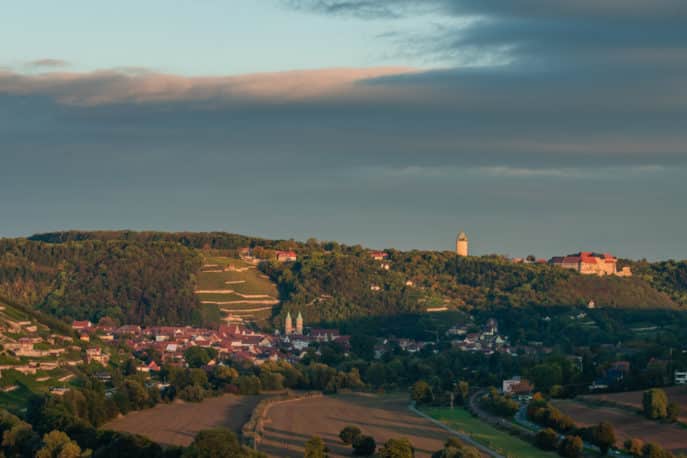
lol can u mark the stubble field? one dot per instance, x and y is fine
(289, 425)
(627, 424)
(179, 422)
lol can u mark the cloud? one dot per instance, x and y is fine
(140, 85)
(47, 63)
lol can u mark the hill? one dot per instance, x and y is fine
(151, 278)
(335, 286)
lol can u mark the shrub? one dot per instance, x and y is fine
(364, 445)
(634, 446)
(571, 447)
(547, 439)
(349, 434)
(315, 448)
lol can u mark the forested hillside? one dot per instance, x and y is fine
(336, 285)
(149, 277)
(135, 282)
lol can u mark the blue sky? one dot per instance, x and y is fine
(536, 126)
(208, 37)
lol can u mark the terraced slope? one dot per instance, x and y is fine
(237, 288)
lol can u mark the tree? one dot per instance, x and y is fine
(546, 376)
(655, 403)
(364, 446)
(199, 356)
(315, 448)
(454, 448)
(422, 392)
(363, 345)
(673, 411)
(462, 392)
(547, 439)
(397, 448)
(214, 443)
(349, 434)
(57, 444)
(651, 450)
(604, 437)
(571, 447)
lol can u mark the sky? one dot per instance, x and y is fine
(537, 127)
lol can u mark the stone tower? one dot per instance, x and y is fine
(299, 324)
(288, 325)
(462, 245)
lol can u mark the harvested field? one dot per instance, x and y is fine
(633, 399)
(289, 425)
(627, 424)
(179, 422)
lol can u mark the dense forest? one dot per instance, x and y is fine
(148, 283)
(149, 278)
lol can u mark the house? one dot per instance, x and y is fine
(286, 256)
(81, 325)
(516, 386)
(95, 354)
(379, 255)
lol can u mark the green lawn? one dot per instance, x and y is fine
(504, 443)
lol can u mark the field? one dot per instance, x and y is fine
(236, 288)
(179, 422)
(289, 425)
(627, 424)
(495, 439)
(633, 399)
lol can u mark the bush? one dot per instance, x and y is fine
(634, 446)
(315, 448)
(349, 434)
(547, 439)
(571, 447)
(364, 445)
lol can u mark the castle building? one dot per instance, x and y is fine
(299, 324)
(288, 324)
(589, 263)
(462, 244)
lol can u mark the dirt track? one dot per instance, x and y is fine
(178, 423)
(626, 424)
(290, 425)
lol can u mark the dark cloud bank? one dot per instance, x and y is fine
(574, 138)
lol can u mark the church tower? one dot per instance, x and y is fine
(288, 325)
(462, 245)
(299, 324)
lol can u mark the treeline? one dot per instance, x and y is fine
(131, 282)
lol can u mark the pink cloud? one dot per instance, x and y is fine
(123, 85)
